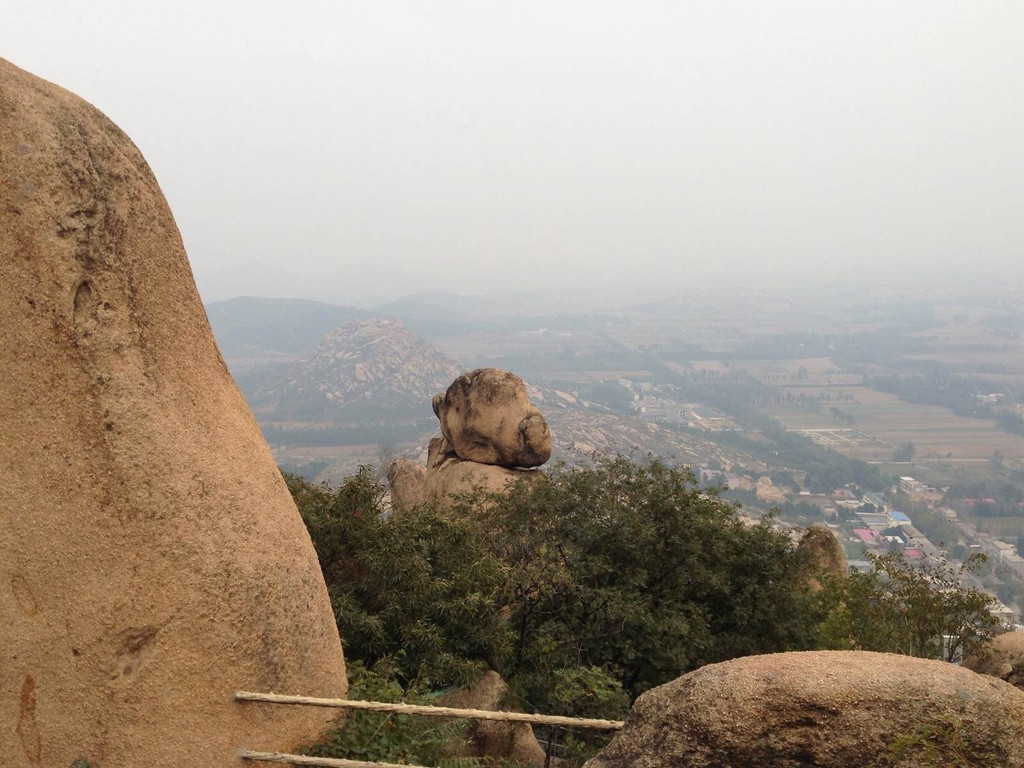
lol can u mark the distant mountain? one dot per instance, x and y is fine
(253, 326)
(366, 372)
(356, 284)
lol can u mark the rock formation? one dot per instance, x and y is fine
(821, 556)
(363, 366)
(489, 431)
(151, 559)
(514, 742)
(1003, 657)
(830, 709)
(487, 417)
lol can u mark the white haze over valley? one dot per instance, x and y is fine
(356, 152)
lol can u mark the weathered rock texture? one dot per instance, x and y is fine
(489, 432)
(487, 417)
(445, 477)
(838, 709)
(821, 556)
(455, 476)
(407, 480)
(1003, 657)
(489, 738)
(151, 559)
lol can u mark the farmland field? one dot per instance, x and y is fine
(882, 422)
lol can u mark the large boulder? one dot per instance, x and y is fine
(455, 477)
(830, 709)
(487, 417)
(445, 478)
(151, 559)
(821, 557)
(1003, 657)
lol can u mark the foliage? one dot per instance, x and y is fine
(609, 393)
(583, 588)
(917, 609)
(938, 384)
(419, 589)
(933, 523)
(742, 397)
(588, 692)
(988, 498)
(629, 567)
(388, 736)
(905, 452)
(582, 692)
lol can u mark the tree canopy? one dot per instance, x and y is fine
(917, 609)
(586, 586)
(625, 574)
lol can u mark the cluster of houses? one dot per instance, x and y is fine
(881, 528)
(1001, 551)
(885, 528)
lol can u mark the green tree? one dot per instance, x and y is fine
(631, 567)
(904, 453)
(390, 737)
(623, 571)
(917, 609)
(419, 590)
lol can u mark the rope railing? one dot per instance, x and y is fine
(416, 709)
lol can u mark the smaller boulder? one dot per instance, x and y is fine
(1003, 657)
(821, 556)
(487, 417)
(830, 709)
(512, 742)
(408, 484)
(438, 451)
(455, 477)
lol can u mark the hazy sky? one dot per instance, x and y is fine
(502, 143)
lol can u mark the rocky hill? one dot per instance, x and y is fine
(363, 373)
(368, 386)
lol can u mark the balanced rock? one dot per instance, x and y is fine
(830, 709)
(1002, 657)
(821, 556)
(487, 417)
(151, 559)
(456, 477)
(412, 485)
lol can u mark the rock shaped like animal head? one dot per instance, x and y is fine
(487, 417)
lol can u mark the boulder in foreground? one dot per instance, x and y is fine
(152, 561)
(830, 709)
